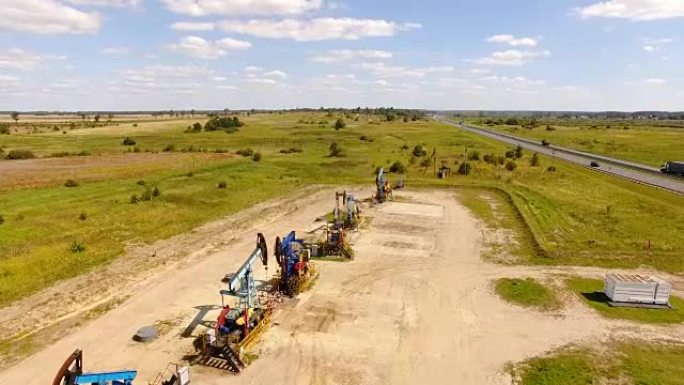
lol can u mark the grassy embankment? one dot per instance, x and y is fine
(575, 216)
(527, 292)
(620, 363)
(650, 143)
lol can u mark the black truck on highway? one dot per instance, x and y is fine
(674, 168)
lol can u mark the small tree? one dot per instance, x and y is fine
(15, 116)
(97, 118)
(335, 150)
(128, 141)
(534, 161)
(519, 152)
(340, 124)
(397, 168)
(256, 157)
(419, 151)
(464, 168)
(511, 166)
(70, 183)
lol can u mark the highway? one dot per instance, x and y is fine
(629, 170)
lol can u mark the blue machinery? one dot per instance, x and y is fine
(71, 373)
(293, 259)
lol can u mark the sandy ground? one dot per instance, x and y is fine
(415, 306)
(46, 171)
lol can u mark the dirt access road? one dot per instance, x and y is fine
(416, 305)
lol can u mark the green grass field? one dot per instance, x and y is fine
(527, 292)
(651, 143)
(586, 289)
(571, 216)
(622, 363)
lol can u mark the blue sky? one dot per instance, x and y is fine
(486, 54)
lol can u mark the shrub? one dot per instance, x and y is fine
(335, 150)
(397, 168)
(500, 159)
(2, 220)
(405, 147)
(20, 154)
(225, 123)
(550, 128)
(545, 143)
(83, 216)
(464, 168)
(510, 154)
(534, 161)
(146, 195)
(256, 157)
(77, 247)
(4, 129)
(190, 174)
(246, 152)
(340, 124)
(511, 166)
(474, 155)
(519, 152)
(195, 128)
(222, 185)
(425, 162)
(419, 151)
(594, 164)
(135, 124)
(134, 199)
(141, 183)
(490, 158)
(512, 122)
(128, 141)
(136, 149)
(169, 148)
(292, 150)
(366, 138)
(551, 169)
(70, 183)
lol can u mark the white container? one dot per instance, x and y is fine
(637, 289)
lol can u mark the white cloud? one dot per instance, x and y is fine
(201, 48)
(9, 80)
(512, 57)
(654, 81)
(382, 70)
(317, 29)
(18, 59)
(46, 17)
(511, 40)
(219, 78)
(659, 41)
(193, 26)
(106, 3)
(226, 87)
(253, 69)
(276, 74)
(336, 56)
(242, 7)
(638, 10)
(116, 51)
(650, 48)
